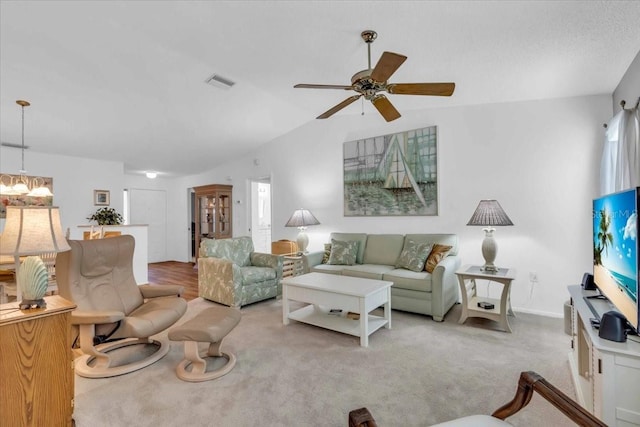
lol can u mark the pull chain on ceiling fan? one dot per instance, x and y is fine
(370, 82)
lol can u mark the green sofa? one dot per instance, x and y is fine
(421, 292)
(231, 273)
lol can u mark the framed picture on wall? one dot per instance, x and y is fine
(101, 197)
(392, 175)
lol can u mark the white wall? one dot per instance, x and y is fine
(539, 159)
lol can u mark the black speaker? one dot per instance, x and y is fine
(613, 327)
(587, 282)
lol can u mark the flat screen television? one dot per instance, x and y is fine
(615, 251)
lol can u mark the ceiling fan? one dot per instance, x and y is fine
(370, 82)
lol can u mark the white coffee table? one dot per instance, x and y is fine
(324, 292)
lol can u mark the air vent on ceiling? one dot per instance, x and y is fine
(219, 81)
(12, 145)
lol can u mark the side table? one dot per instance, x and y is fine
(467, 276)
(292, 266)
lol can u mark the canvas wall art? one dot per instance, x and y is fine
(8, 180)
(392, 175)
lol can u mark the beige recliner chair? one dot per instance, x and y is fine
(113, 312)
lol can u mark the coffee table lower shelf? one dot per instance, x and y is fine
(319, 316)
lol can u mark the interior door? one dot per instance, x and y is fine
(150, 207)
(261, 214)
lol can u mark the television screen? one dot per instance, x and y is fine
(615, 251)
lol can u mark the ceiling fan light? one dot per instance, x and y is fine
(151, 175)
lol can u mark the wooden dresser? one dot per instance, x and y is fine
(36, 364)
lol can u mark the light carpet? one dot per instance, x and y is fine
(418, 373)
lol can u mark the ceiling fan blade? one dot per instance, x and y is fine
(311, 86)
(388, 63)
(384, 106)
(330, 112)
(434, 89)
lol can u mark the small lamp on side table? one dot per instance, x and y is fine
(32, 230)
(302, 218)
(489, 214)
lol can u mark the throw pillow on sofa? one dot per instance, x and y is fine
(414, 255)
(343, 253)
(438, 253)
(327, 253)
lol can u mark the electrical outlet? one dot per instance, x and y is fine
(533, 277)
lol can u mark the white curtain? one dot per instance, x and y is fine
(620, 165)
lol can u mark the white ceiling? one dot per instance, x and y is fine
(124, 80)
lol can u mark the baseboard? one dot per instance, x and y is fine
(539, 312)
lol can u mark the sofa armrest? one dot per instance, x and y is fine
(155, 291)
(219, 281)
(444, 286)
(259, 259)
(311, 259)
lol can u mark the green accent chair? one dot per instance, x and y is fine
(231, 273)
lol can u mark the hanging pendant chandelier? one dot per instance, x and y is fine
(23, 185)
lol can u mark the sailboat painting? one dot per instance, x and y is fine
(392, 175)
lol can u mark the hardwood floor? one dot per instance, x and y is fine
(175, 273)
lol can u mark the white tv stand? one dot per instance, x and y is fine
(606, 374)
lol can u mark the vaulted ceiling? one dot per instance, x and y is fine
(125, 80)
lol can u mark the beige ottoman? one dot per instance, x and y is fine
(209, 326)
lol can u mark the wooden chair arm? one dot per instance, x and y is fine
(361, 418)
(527, 384)
(530, 382)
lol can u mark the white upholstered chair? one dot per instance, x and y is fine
(527, 384)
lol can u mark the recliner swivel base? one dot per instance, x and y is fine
(89, 366)
(194, 366)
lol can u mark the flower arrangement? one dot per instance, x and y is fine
(106, 216)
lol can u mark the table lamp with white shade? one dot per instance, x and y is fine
(302, 218)
(29, 231)
(489, 214)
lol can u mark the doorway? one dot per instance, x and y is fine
(261, 214)
(192, 225)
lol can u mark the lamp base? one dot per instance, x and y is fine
(489, 251)
(489, 269)
(302, 240)
(28, 304)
